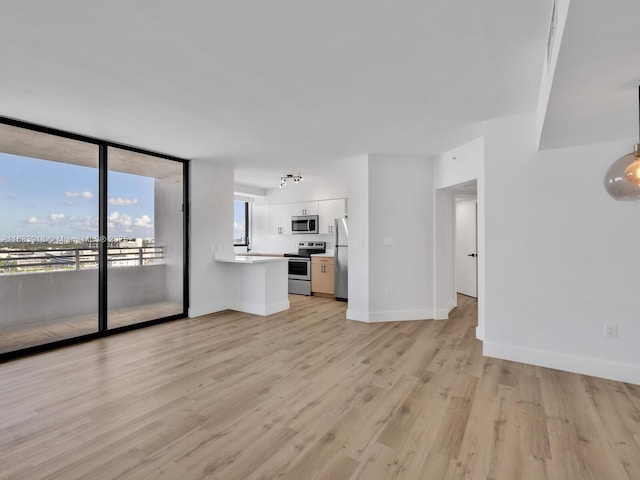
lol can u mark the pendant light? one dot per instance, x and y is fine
(622, 180)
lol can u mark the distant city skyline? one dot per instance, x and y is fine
(43, 199)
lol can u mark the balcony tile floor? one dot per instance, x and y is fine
(22, 336)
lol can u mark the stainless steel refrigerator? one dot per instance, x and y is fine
(341, 259)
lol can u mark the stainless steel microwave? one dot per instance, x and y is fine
(304, 224)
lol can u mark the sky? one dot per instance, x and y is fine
(238, 219)
(44, 200)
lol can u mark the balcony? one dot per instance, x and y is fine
(50, 294)
(17, 261)
(60, 192)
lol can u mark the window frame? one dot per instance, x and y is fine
(103, 329)
(246, 221)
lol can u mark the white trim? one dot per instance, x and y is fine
(401, 315)
(260, 308)
(390, 316)
(443, 313)
(358, 315)
(480, 333)
(621, 372)
(206, 309)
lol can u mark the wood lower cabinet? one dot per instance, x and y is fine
(322, 275)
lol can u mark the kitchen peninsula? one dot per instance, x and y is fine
(259, 284)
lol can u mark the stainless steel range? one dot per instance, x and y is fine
(300, 266)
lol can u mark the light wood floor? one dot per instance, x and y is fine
(305, 394)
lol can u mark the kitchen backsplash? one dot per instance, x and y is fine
(285, 243)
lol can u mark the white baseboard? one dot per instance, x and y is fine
(480, 333)
(390, 316)
(200, 310)
(357, 315)
(277, 307)
(253, 308)
(443, 313)
(260, 308)
(621, 372)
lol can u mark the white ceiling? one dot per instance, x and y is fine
(277, 85)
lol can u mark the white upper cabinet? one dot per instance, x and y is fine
(329, 210)
(280, 219)
(304, 208)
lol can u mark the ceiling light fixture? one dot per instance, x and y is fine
(622, 180)
(296, 179)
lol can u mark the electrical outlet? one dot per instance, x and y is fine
(610, 330)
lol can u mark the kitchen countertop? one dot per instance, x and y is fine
(251, 259)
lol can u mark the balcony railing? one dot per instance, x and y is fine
(51, 259)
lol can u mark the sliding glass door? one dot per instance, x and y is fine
(48, 228)
(145, 231)
(92, 237)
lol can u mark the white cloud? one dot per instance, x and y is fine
(120, 219)
(120, 201)
(71, 224)
(144, 221)
(85, 194)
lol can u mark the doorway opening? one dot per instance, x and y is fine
(466, 244)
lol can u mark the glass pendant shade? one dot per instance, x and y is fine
(622, 180)
(632, 172)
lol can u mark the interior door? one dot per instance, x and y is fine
(466, 253)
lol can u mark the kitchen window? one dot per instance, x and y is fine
(240, 223)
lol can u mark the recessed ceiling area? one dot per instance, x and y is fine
(275, 85)
(594, 96)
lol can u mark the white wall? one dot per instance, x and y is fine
(444, 234)
(459, 165)
(399, 238)
(211, 229)
(557, 255)
(358, 262)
